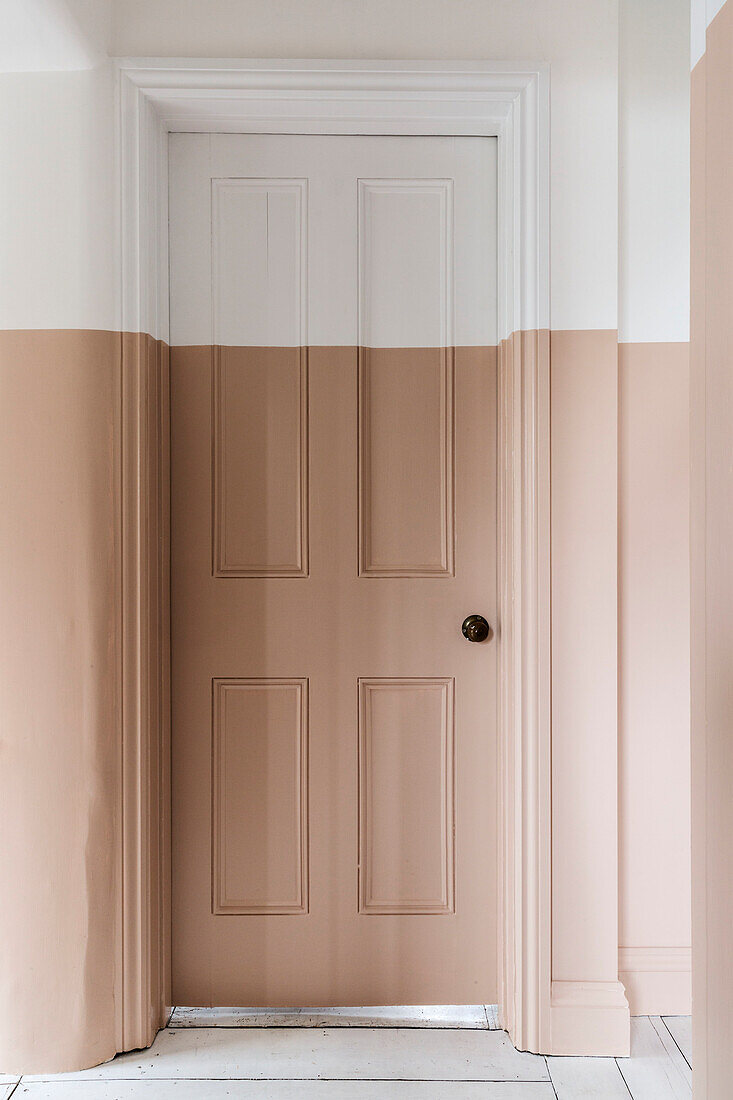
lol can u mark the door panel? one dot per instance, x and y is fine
(406, 811)
(260, 828)
(406, 445)
(406, 258)
(260, 456)
(333, 389)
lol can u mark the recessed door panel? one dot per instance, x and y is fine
(406, 261)
(259, 262)
(260, 826)
(406, 447)
(260, 521)
(406, 811)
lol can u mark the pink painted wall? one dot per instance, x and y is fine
(712, 558)
(653, 493)
(59, 740)
(654, 691)
(584, 570)
(57, 234)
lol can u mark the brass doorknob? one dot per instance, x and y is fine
(475, 628)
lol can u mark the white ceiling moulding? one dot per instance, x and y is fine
(507, 101)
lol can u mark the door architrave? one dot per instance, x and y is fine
(503, 100)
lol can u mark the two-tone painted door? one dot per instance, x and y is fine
(333, 418)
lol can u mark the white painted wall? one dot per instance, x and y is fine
(49, 35)
(579, 39)
(58, 175)
(702, 14)
(58, 214)
(654, 170)
(599, 88)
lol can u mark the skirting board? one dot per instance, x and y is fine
(590, 1018)
(656, 979)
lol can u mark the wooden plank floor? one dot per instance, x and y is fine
(461, 1060)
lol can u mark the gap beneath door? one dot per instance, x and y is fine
(472, 1017)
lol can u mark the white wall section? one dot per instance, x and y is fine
(579, 39)
(58, 217)
(702, 13)
(47, 35)
(654, 171)
(698, 26)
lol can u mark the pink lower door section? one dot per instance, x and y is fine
(333, 523)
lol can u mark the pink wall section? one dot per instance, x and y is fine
(712, 557)
(59, 738)
(654, 704)
(617, 444)
(620, 652)
(583, 491)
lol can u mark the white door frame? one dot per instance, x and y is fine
(503, 100)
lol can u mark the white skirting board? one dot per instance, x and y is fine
(474, 1017)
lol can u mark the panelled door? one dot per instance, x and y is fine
(333, 419)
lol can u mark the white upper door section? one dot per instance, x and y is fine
(420, 212)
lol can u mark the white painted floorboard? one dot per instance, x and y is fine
(378, 1063)
(300, 1054)
(677, 1057)
(680, 1028)
(589, 1078)
(651, 1073)
(280, 1090)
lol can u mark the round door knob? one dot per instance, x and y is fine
(475, 628)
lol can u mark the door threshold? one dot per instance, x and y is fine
(472, 1017)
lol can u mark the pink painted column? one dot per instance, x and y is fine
(589, 1012)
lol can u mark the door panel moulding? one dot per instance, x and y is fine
(503, 100)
